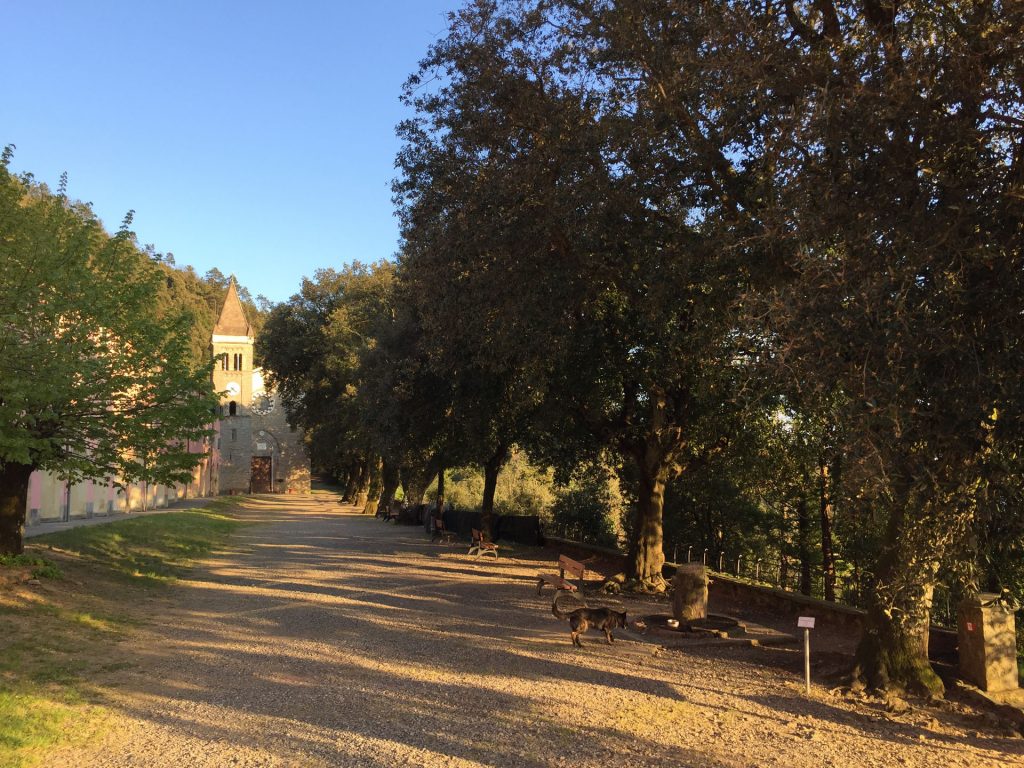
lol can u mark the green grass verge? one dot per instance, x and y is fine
(56, 651)
(153, 549)
(41, 567)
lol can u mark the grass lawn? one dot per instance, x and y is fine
(151, 549)
(63, 642)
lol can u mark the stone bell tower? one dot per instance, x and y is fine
(260, 452)
(232, 346)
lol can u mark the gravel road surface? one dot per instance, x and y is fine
(324, 638)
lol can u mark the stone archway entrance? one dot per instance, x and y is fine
(261, 474)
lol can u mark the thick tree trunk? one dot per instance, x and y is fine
(363, 483)
(893, 650)
(389, 475)
(13, 500)
(376, 485)
(351, 482)
(491, 469)
(440, 491)
(414, 483)
(826, 488)
(646, 550)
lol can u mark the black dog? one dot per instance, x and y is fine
(582, 619)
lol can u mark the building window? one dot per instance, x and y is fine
(234, 435)
(224, 361)
(232, 408)
(238, 361)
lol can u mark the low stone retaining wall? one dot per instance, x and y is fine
(942, 643)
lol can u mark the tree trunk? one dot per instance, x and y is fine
(351, 483)
(389, 475)
(13, 500)
(491, 469)
(440, 492)
(893, 650)
(646, 550)
(363, 483)
(414, 482)
(376, 485)
(803, 538)
(826, 488)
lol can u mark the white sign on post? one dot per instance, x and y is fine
(806, 623)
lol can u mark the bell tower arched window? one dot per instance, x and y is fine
(232, 408)
(238, 361)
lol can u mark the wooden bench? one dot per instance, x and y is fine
(481, 546)
(391, 513)
(565, 565)
(441, 533)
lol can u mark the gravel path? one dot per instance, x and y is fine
(324, 638)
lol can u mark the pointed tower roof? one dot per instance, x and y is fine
(232, 320)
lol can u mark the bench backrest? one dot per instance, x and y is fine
(567, 564)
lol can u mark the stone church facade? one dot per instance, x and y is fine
(259, 451)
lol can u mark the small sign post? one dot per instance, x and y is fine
(806, 623)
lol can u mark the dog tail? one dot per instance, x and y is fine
(559, 613)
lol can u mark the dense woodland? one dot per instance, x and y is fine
(104, 349)
(751, 272)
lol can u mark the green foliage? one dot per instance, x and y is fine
(312, 347)
(200, 298)
(587, 509)
(522, 488)
(41, 567)
(94, 381)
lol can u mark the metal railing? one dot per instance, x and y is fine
(851, 584)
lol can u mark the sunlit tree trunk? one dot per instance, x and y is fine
(826, 495)
(375, 487)
(362, 494)
(647, 547)
(893, 650)
(803, 537)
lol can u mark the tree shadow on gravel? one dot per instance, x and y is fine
(308, 640)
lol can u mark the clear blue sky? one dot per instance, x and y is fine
(255, 137)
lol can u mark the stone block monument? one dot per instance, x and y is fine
(988, 642)
(690, 593)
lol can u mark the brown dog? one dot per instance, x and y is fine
(582, 619)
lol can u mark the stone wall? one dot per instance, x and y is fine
(235, 435)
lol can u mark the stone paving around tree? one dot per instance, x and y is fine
(325, 638)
